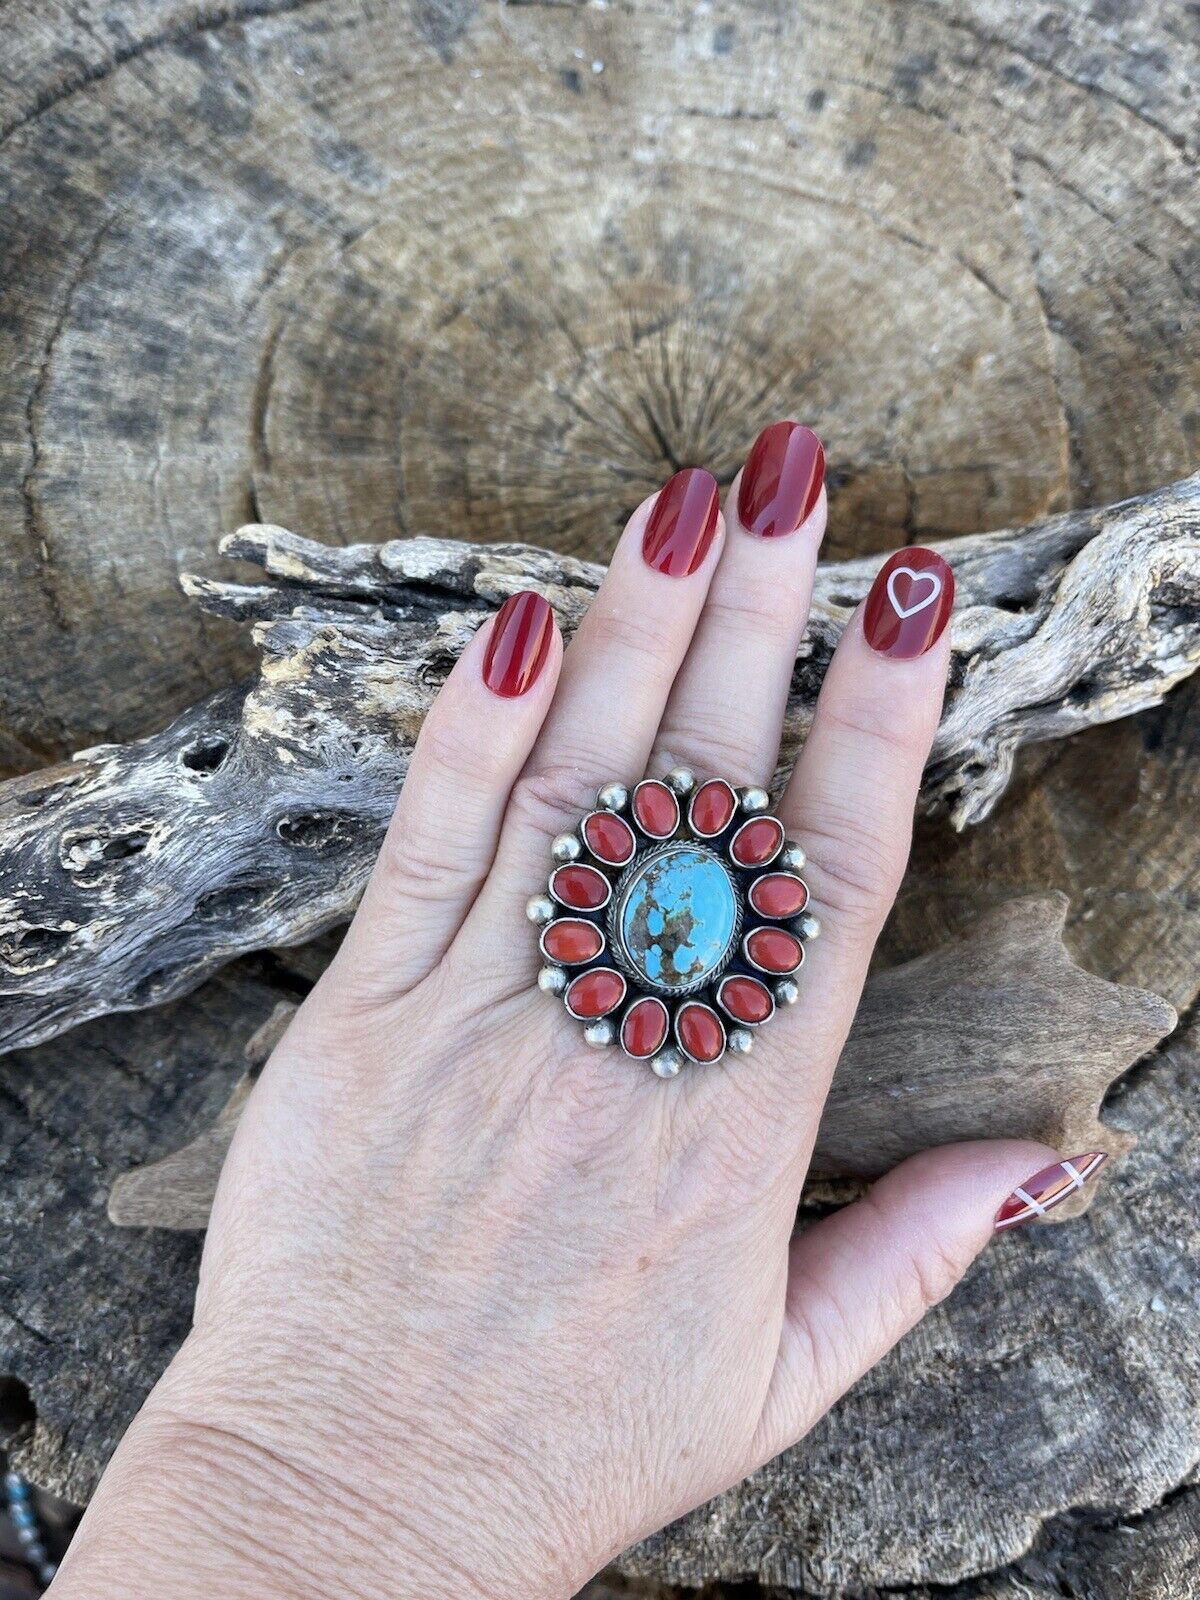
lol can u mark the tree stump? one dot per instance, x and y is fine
(489, 272)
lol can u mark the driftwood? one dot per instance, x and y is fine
(136, 871)
(999, 1034)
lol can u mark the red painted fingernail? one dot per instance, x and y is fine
(909, 604)
(781, 480)
(1048, 1188)
(519, 644)
(682, 523)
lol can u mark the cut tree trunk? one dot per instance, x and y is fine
(488, 272)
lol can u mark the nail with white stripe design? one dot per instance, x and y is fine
(1047, 1189)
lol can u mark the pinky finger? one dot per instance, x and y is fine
(442, 839)
(860, 1279)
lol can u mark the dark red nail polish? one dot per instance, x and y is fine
(519, 644)
(682, 523)
(1047, 1189)
(781, 480)
(909, 604)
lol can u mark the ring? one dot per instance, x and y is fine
(679, 909)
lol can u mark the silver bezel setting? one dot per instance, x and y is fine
(570, 849)
(616, 1005)
(557, 961)
(772, 972)
(741, 1022)
(616, 915)
(582, 866)
(647, 1055)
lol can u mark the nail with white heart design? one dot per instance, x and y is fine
(932, 585)
(909, 604)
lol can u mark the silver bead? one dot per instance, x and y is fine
(807, 926)
(540, 909)
(613, 797)
(667, 1063)
(786, 992)
(600, 1033)
(791, 857)
(566, 848)
(740, 1041)
(754, 800)
(552, 980)
(680, 780)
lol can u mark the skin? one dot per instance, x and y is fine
(480, 1306)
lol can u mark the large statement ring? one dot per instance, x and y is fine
(675, 921)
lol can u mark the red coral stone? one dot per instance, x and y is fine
(644, 1027)
(655, 809)
(745, 999)
(595, 993)
(713, 805)
(774, 949)
(779, 894)
(756, 842)
(581, 888)
(608, 837)
(700, 1031)
(572, 941)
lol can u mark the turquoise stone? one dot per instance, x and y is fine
(678, 916)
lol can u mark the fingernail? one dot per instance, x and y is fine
(1047, 1189)
(519, 644)
(909, 604)
(781, 480)
(682, 523)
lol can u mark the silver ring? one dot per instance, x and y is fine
(676, 920)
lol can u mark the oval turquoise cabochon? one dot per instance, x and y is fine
(678, 916)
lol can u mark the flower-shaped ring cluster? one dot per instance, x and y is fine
(675, 921)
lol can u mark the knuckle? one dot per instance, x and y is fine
(866, 720)
(767, 614)
(854, 872)
(928, 1268)
(710, 746)
(937, 1268)
(548, 797)
(420, 866)
(625, 633)
(447, 746)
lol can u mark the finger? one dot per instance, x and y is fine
(616, 675)
(725, 713)
(442, 838)
(850, 805)
(860, 1279)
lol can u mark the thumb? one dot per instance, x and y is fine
(861, 1278)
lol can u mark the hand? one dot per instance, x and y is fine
(479, 1305)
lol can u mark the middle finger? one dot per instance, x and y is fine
(725, 713)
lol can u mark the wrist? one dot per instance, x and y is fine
(200, 1496)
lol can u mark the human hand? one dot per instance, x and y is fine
(479, 1305)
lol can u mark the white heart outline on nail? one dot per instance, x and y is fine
(911, 611)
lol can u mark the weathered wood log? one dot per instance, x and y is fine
(1000, 1034)
(134, 872)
